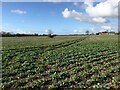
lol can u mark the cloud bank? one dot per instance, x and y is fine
(18, 11)
(94, 14)
(108, 8)
(82, 17)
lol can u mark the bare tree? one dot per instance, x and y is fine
(50, 33)
(87, 32)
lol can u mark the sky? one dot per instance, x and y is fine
(60, 17)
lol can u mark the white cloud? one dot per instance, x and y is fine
(75, 3)
(94, 14)
(88, 2)
(109, 28)
(106, 27)
(100, 20)
(108, 8)
(18, 11)
(77, 31)
(46, 30)
(20, 31)
(82, 17)
(72, 14)
(93, 29)
(83, 30)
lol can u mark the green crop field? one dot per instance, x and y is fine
(63, 62)
(21, 42)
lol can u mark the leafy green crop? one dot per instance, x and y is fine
(87, 62)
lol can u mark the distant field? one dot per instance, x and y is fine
(62, 62)
(21, 42)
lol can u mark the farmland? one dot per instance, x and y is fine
(21, 42)
(61, 63)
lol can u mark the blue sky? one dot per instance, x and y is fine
(38, 17)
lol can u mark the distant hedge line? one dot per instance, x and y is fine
(9, 34)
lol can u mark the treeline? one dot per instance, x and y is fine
(11, 34)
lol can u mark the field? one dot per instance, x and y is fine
(61, 63)
(22, 42)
